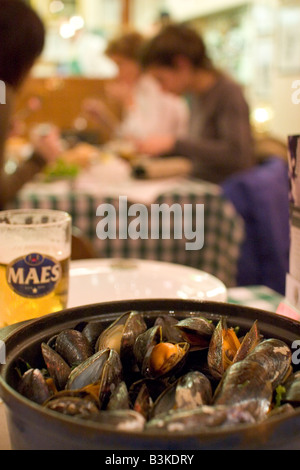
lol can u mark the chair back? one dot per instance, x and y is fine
(261, 197)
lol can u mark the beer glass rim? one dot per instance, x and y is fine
(61, 217)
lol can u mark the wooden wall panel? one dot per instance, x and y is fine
(61, 100)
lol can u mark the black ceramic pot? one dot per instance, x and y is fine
(31, 427)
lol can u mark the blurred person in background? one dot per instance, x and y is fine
(22, 37)
(146, 109)
(219, 140)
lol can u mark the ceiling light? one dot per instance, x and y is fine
(77, 22)
(56, 7)
(67, 31)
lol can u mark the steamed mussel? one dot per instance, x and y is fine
(197, 331)
(121, 336)
(171, 372)
(225, 348)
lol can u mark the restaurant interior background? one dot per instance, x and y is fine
(257, 41)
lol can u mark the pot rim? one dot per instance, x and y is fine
(256, 431)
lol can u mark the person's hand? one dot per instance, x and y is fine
(121, 92)
(46, 141)
(17, 128)
(99, 112)
(94, 108)
(156, 145)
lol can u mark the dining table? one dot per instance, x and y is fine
(109, 179)
(187, 283)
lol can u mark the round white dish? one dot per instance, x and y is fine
(95, 281)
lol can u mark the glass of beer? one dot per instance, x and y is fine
(35, 251)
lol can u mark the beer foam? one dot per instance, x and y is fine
(11, 252)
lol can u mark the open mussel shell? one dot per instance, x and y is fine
(121, 336)
(145, 342)
(189, 392)
(111, 377)
(170, 334)
(223, 347)
(104, 369)
(197, 331)
(226, 348)
(89, 371)
(36, 427)
(248, 343)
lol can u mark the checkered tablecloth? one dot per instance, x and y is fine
(223, 228)
(260, 297)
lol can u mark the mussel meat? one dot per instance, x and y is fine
(226, 348)
(165, 359)
(143, 375)
(223, 347)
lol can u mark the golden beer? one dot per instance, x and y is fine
(34, 264)
(16, 308)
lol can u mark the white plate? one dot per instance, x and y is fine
(95, 281)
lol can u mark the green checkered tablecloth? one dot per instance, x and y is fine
(223, 228)
(260, 297)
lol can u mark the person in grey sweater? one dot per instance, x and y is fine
(220, 141)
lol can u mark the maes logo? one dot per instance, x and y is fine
(33, 276)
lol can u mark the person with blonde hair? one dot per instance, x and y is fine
(146, 109)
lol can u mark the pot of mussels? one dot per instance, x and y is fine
(155, 375)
